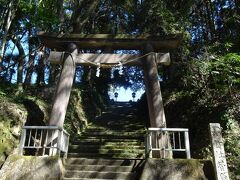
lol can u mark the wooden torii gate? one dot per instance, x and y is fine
(68, 46)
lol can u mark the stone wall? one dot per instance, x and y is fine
(180, 169)
(31, 168)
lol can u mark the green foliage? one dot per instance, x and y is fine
(152, 16)
(157, 18)
(210, 94)
(132, 78)
(7, 140)
(232, 145)
(76, 118)
(208, 87)
(193, 111)
(217, 80)
(226, 70)
(84, 106)
(34, 14)
(16, 110)
(10, 124)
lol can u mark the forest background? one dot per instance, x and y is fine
(201, 85)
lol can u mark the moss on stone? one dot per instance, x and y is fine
(76, 119)
(7, 140)
(182, 169)
(14, 114)
(16, 110)
(30, 168)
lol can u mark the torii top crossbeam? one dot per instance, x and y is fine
(115, 42)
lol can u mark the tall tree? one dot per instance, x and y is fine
(21, 58)
(8, 15)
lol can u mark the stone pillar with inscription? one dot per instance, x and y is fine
(219, 158)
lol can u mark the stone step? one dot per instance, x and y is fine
(107, 155)
(109, 136)
(99, 175)
(102, 161)
(138, 126)
(113, 133)
(104, 140)
(111, 147)
(107, 151)
(89, 179)
(121, 124)
(103, 129)
(121, 127)
(104, 146)
(101, 168)
(105, 143)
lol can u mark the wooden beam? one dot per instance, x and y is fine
(115, 42)
(88, 59)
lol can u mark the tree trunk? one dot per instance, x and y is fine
(30, 63)
(60, 10)
(53, 74)
(210, 22)
(21, 58)
(40, 70)
(10, 14)
(86, 77)
(30, 68)
(79, 20)
(237, 6)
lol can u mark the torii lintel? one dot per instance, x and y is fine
(87, 59)
(160, 43)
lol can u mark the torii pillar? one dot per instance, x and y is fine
(64, 87)
(153, 90)
(155, 103)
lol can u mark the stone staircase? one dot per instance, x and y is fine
(112, 147)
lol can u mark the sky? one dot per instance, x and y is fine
(125, 95)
